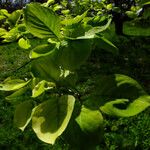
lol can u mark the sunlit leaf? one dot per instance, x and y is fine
(14, 18)
(11, 85)
(37, 23)
(41, 87)
(24, 43)
(42, 50)
(132, 109)
(51, 118)
(2, 32)
(4, 12)
(75, 20)
(89, 120)
(91, 32)
(2, 17)
(57, 7)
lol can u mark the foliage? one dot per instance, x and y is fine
(54, 72)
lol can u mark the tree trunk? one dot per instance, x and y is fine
(118, 20)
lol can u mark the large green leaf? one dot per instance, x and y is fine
(73, 53)
(117, 95)
(89, 120)
(22, 114)
(10, 85)
(119, 86)
(41, 21)
(132, 109)
(51, 118)
(46, 68)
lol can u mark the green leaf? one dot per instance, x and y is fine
(2, 32)
(22, 114)
(109, 6)
(89, 120)
(11, 85)
(144, 2)
(68, 78)
(57, 7)
(12, 35)
(16, 94)
(2, 17)
(119, 86)
(4, 12)
(51, 118)
(24, 43)
(75, 20)
(117, 95)
(14, 18)
(131, 14)
(41, 21)
(65, 12)
(73, 53)
(91, 33)
(46, 68)
(42, 50)
(132, 109)
(103, 43)
(42, 87)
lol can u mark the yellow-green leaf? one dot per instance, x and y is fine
(24, 43)
(89, 120)
(11, 85)
(51, 117)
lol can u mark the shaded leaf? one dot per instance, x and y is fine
(22, 114)
(103, 43)
(74, 53)
(117, 95)
(46, 68)
(16, 94)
